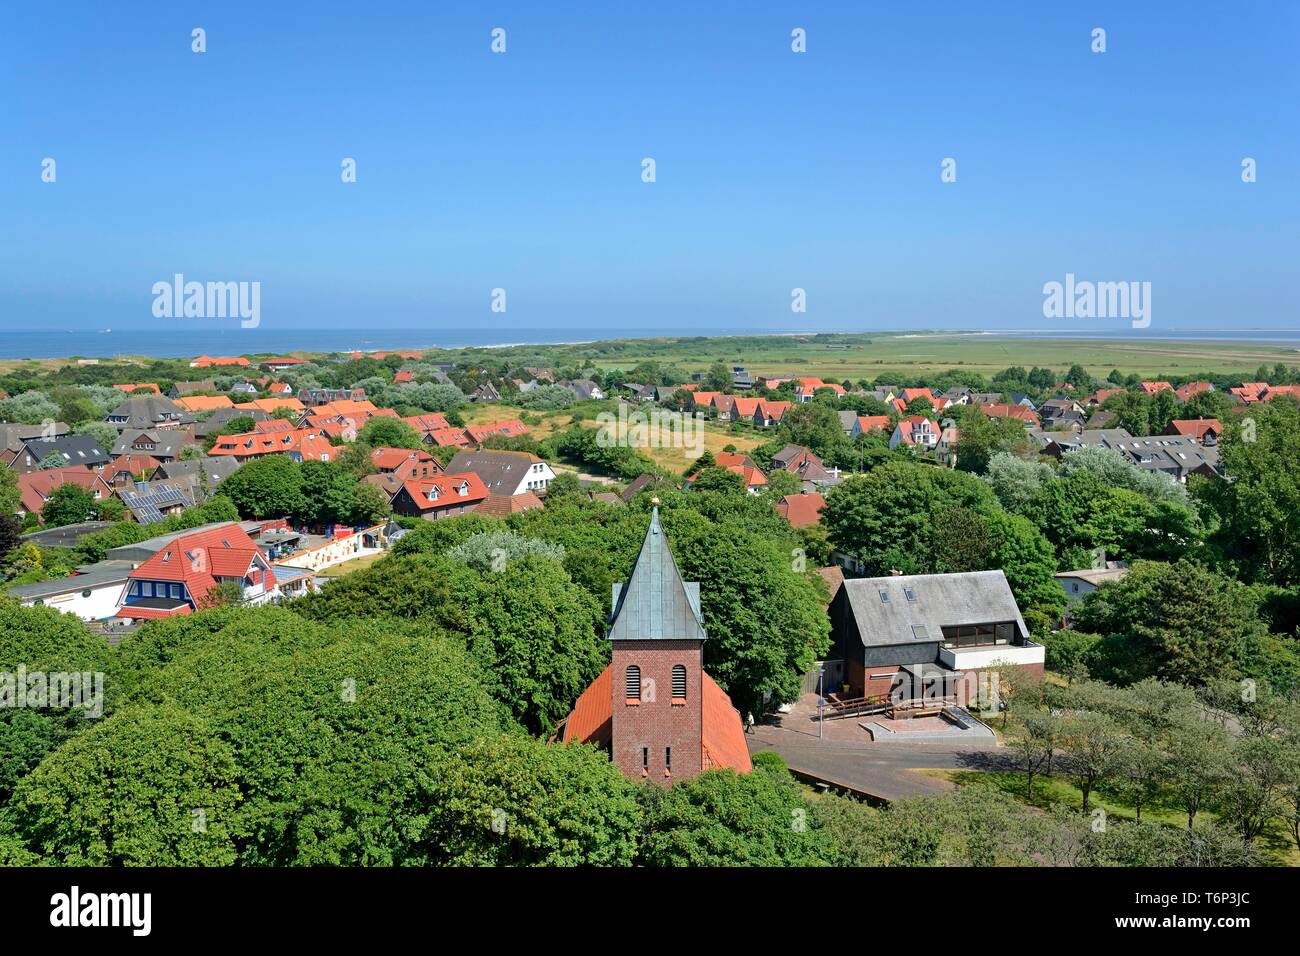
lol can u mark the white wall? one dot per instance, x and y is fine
(103, 601)
(975, 658)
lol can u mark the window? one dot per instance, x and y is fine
(645, 758)
(668, 758)
(979, 635)
(679, 681)
(911, 595)
(884, 597)
(634, 683)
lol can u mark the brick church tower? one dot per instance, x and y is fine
(659, 714)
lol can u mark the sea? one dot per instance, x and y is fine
(185, 343)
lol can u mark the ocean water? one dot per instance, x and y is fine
(186, 343)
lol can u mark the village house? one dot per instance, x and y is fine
(148, 387)
(148, 502)
(508, 428)
(37, 454)
(160, 444)
(1077, 585)
(202, 475)
(442, 496)
(657, 639)
(1204, 430)
(36, 487)
(147, 411)
(505, 472)
(183, 575)
(209, 361)
(181, 389)
(1190, 389)
(300, 444)
(915, 431)
(801, 511)
(769, 414)
(203, 403)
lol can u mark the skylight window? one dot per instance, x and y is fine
(884, 597)
(911, 595)
(920, 632)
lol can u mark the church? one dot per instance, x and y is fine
(654, 709)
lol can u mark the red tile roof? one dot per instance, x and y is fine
(36, 487)
(197, 560)
(447, 487)
(1187, 390)
(207, 361)
(509, 504)
(1152, 388)
(801, 510)
(427, 423)
(390, 459)
(868, 423)
(1196, 427)
(450, 437)
(509, 427)
(131, 388)
(307, 443)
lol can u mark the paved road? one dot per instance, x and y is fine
(884, 770)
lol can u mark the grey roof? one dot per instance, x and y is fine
(91, 576)
(145, 411)
(941, 600)
(12, 435)
(215, 468)
(1094, 576)
(167, 442)
(501, 471)
(1176, 455)
(655, 603)
(66, 536)
(186, 388)
(223, 416)
(73, 449)
(1088, 438)
(639, 484)
(848, 420)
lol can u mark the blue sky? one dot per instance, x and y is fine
(774, 170)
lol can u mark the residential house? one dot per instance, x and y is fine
(915, 431)
(300, 444)
(804, 463)
(1101, 418)
(127, 470)
(158, 443)
(1019, 412)
(147, 411)
(585, 389)
(945, 450)
(202, 475)
(802, 510)
(280, 364)
(402, 376)
(487, 392)
(149, 502)
(272, 405)
(443, 496)
(740, 378)
(36, 454)
(181, 389)
(310, 397)
(741, 465)
(639, 484)
(1154, 388)
(1204, 430)
(279, 389)
(93, 593)
(920, 635)
(806, 388)
(768, 414)
(657, 637)
(505, 472)
(183, 575)
(209, 361)
(507, 428)
(149, 387)
(735, 408)
(1079, 584)
(502, 506)
(427, 423)
(12, 436)
(957, 395)
(36, 487)
(1099, 397)
(203, 403)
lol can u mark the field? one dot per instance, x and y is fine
(857, 356)
(544, 424)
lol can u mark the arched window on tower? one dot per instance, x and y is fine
(679, 682)
(633, 683)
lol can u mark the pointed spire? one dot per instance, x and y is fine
(655, 603)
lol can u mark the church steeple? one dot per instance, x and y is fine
(655, 603)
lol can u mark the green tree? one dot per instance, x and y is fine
(512, 801)
(1179, 622)
(381, 431)
(726, 819)
(68, 504)
(270, 487)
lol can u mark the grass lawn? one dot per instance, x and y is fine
(542, 425)
(1275, 844)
